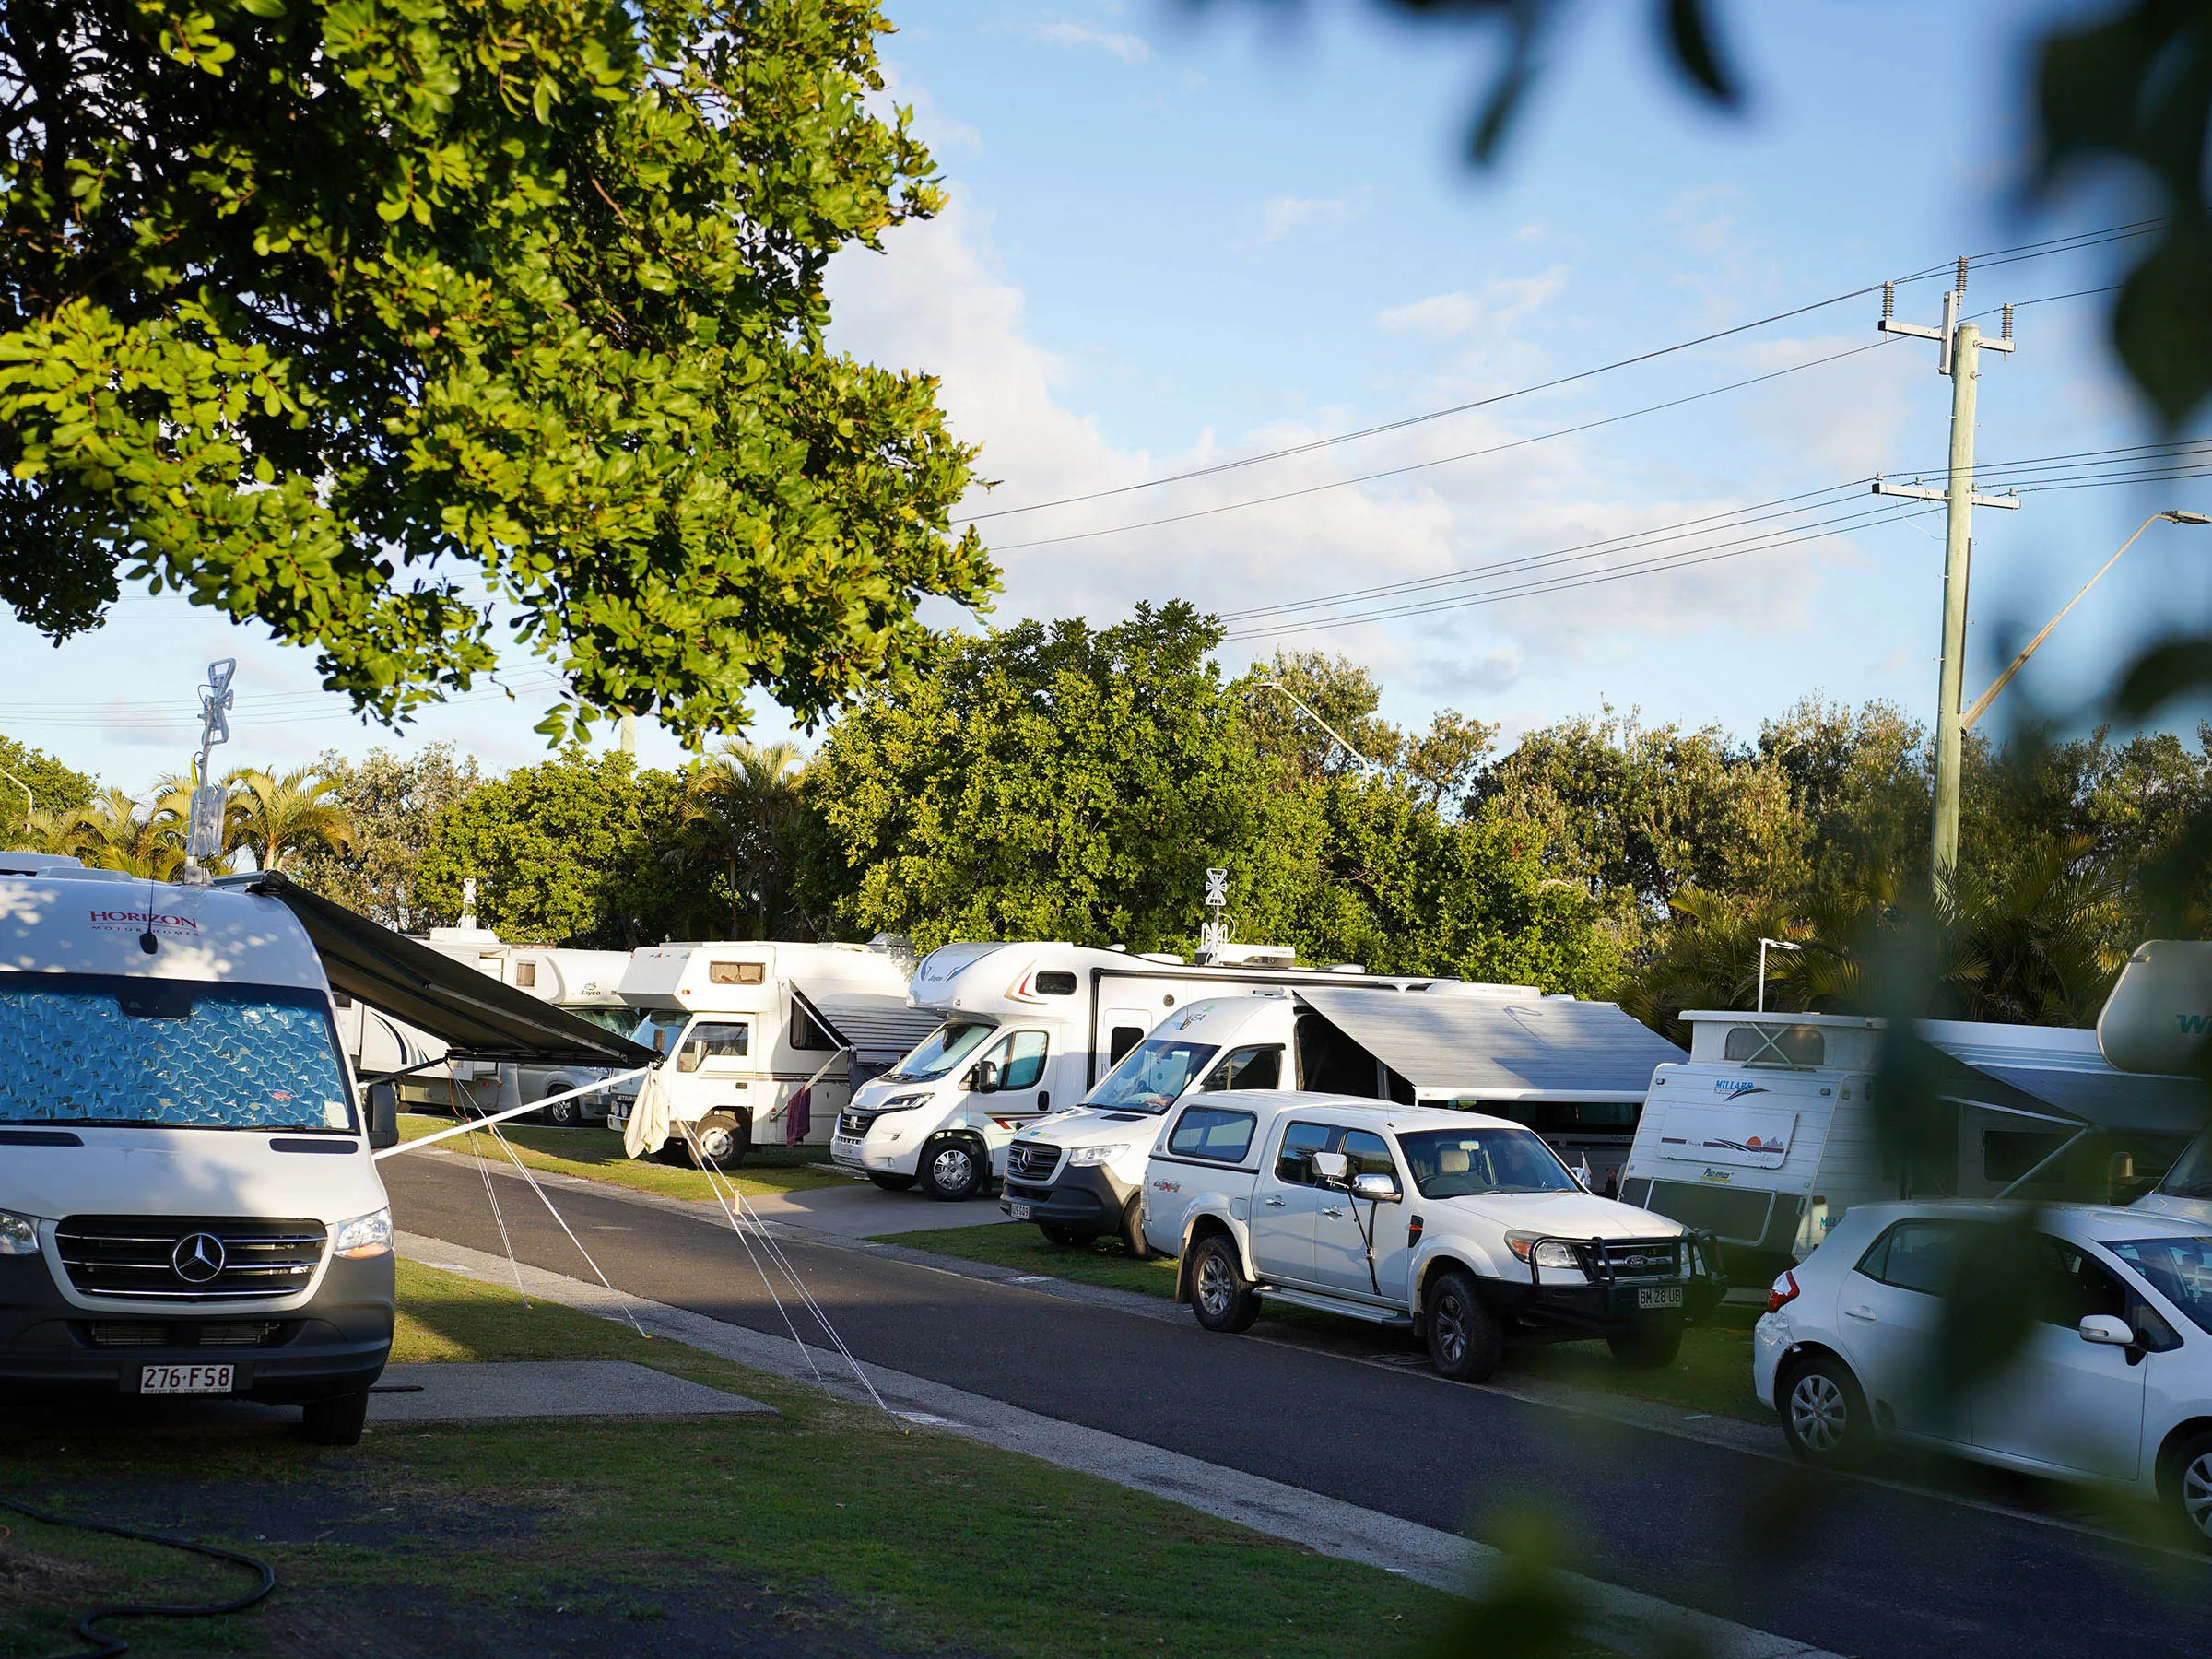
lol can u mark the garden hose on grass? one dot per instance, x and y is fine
(107, 1647)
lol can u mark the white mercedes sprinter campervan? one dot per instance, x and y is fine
(188, 1205)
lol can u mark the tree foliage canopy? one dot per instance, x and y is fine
(368, 318)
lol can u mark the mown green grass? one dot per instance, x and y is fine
(910, 1538)
(1712, 1374)
(596, 1155)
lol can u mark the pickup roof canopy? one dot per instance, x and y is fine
(479, 1017)
(877, 1029)
(1455, 1047)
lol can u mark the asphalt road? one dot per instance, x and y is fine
(1857, 1567)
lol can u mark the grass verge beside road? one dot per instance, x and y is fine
(835, 1531)
(1713, 1373)
(596, 1155)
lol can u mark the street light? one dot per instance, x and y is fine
(2172, 515)
(1317, 720)
(1778, 945)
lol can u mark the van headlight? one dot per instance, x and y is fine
(1550, 1253)
(368, 1235)
(1096, 1155)
(19, 1234)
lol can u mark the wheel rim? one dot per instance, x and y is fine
(2196, 1493)
(1450, 1330)
(1213, 1289)
(715, 1143)
(1821, 1415)
(952, 1169)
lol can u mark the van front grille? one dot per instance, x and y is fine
(1033, 1161)
(186, 1259)
(118, 1333)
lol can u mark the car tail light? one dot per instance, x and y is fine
(1782, 1292)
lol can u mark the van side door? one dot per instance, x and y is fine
(1019, 1057)
(717, 1053)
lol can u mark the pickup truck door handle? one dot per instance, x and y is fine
(1274, 1204)
(1332, 1210)
(1862, 1312)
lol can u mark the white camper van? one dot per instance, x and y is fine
(1507, 1051)
(755, 1030)
(1768, 1135)
(188, 1205)
(588, 985)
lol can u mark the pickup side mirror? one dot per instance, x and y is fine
(983, 1078)
(1376, 1186)
(384, 1116)
(2108, 1330)
(692, 1055)
(1330, 1168)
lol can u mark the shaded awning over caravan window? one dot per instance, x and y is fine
(479, 1017)
(1496, 1048)
(2130, 1102)
(877, 1029)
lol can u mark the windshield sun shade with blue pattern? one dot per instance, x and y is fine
(169, 1053)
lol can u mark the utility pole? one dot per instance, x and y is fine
(1959, 346)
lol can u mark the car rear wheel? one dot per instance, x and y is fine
(951, 1171)
(1465, 1340)
(2192, 1488)
(1824, 1414)
(1221, 1296)
(1647, 1347)
(563, 1114)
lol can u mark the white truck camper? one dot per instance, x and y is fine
(188, 1203)
(1018, 1026)
(762, 1042)
(1574, 1072)
(1768, 1135)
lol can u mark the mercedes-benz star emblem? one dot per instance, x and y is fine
(197, 1258)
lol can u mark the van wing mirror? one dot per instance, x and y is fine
(1376, 1186)
(384, 1116)
(692, 1055)
(1329, 1168)
(983, 1078)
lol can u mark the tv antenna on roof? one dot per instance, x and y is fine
(204, 833)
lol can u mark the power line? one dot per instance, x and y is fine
(2012, 255)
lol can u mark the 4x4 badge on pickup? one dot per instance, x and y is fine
(1166, 1186)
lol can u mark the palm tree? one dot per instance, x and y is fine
(114, 833)
(275, 817)
(741, 820)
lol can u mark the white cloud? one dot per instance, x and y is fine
(1129, 48)
(1498, 307)
(1279, 216)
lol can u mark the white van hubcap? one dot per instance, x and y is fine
(952, 1169)
(2196, 1493)
(1818, 1411)
(715, 1143)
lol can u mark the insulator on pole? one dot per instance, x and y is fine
(1888, 300)
(2008, 319)
(1961, 290)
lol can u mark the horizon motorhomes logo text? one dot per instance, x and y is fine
(142, 920)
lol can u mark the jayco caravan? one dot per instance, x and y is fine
(762, 1042)
(188, 1205)
(1770, 1133)
(588, 985)
(1573, 1071)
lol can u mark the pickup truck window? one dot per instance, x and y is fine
(1260, 1067)
(1212, 1133)
(1366, 1154)
(1152, 1075)
(1294, 1157)
(1459, 1163)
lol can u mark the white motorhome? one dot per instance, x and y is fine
(1573, 1071)
(188, 1203)
(588, 985)
(1770, 1133)
(755, 1030)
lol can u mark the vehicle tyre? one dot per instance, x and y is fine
(1647, 1347)
(1824, 1414)
(564, 1115)
(335, 1421)
(1133, 1229)
(951, 1171)
(893, 1184)
(1067, 1238)
(1466, 1339)
(2190, 1488)
(720, 1139)
(1221, 1296)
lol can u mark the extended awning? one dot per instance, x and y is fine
(877, 1029)
(479, 1017)
(2096, 1096)
(1453, 1047)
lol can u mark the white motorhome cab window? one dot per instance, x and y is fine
(1151, 1076)
(1020, 1059)
(716, 1042)
(169, 1053)
(1775, 1045)
(659, 1031)
(941, 1050)
(1260, 1066)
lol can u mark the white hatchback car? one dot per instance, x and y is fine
(2113, 1384)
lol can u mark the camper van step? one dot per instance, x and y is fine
(1387, 1318)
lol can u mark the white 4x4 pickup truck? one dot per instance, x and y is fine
(1466, 1228)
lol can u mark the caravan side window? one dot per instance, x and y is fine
(1775, 1045)
(805, 1030)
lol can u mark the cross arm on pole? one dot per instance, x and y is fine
(1922, 492)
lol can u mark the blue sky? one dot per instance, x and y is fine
(1178, 237)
